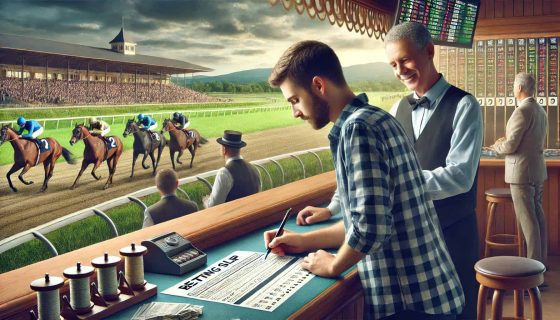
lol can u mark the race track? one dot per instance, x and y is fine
(28, 208)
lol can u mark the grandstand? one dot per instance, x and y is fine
(40, 71)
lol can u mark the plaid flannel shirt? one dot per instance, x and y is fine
(388, 217)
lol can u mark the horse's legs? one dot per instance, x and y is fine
(25, 169)
(111, 167)
(172, 156)
(85, 164)
(13, 169)
(134, 157)
(144, 165)
(95, 166)
(46, 165)
(179, 155)
(154, 165)
(192, 150)
(160, 150)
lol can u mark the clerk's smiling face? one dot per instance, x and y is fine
(411, 64)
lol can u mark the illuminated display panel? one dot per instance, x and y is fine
(461, 68)
(443, 61)
(480, 70)
(541, 69)
(553, 71)
(521, 55)
(490, 68)
(450, 22)
(471, 76)
(452, 65)
(532, 57)
(500, 68)
(510, 66)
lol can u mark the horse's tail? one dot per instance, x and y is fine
(203, 140)
(68, 156)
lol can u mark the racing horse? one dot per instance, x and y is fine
(144, 144)
(96, 152)
(179, 141)
(26, 156)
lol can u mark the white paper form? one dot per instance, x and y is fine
(242, 278)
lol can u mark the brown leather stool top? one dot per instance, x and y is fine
(509, 273)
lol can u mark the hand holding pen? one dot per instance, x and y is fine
(279, 231)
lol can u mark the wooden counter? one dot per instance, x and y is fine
(491, 175)
(206, 228)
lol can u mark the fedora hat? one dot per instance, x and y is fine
(231, 139)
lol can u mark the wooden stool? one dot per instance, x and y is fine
(509, 273)
(494, 197)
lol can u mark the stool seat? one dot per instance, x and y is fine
(498, 192)
(509, 273)
(509, 266)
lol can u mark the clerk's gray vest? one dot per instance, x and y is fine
(246, 179)
(432, 148)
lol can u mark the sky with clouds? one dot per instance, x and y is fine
(224, 35)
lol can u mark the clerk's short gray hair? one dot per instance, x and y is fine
(526, 81)
(413, 31)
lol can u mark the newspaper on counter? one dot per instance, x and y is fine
(167, 311)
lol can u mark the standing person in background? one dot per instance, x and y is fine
(169, 206)
(238, 178)
(445, 125)
(523, 146)
(390, 228)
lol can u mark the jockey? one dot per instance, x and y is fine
(181, 122)
(98, 127)
(33, 128)
(147, 122)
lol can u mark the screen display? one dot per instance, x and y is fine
(450, 22)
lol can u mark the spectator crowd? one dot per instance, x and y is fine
(82, 92)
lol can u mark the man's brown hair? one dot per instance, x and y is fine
(303, 61)
(166, 181)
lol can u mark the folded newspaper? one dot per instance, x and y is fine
(167, 311)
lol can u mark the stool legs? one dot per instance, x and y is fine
(536, 305)
(518, 296)
(491, 210)
(497, 304)
(481, 308)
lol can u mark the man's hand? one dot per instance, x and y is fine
(311, 215)
(320, 263)
(288, 242)
(500, 140)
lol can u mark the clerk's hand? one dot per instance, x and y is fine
(319, 263)
(311, 215)
(288, 242)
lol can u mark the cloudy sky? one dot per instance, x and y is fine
(224, 35)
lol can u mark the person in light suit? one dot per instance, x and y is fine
(523, 147)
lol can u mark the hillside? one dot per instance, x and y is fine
(377, 71)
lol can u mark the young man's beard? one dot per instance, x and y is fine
(320, 112)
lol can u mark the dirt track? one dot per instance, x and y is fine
(27, 208)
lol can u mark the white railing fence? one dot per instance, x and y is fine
(37, 232)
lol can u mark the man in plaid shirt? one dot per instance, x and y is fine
(390, 229)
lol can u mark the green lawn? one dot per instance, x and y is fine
(129, 217)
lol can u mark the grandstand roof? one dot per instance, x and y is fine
(35, 50)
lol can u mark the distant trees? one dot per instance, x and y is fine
(263, 86)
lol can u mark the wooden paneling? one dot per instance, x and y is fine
(491, 175)
(491, 9)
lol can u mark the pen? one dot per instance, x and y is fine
(280, 229)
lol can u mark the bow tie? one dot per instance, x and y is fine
(422, 102)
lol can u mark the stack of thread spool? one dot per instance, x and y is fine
(80, 297)
(48, 299)
(134, 265)
(107, 276)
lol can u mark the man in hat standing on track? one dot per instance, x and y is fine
(238, 178)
